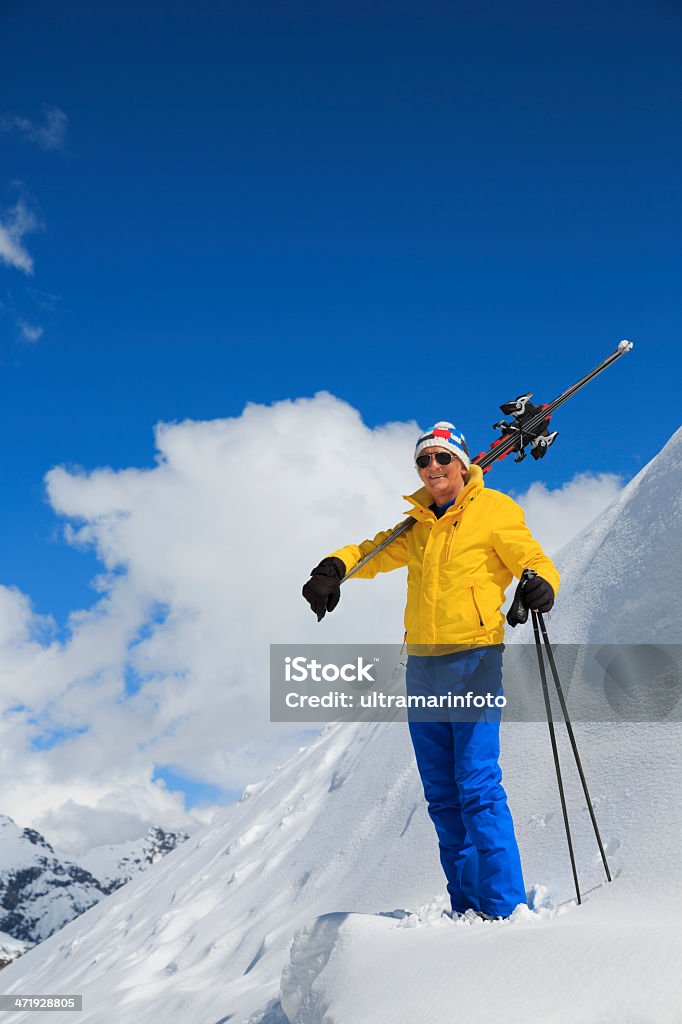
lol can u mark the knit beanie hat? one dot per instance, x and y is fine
(445, 435)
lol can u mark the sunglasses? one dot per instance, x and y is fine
(442, 458)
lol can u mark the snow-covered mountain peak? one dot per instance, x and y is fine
(116, 864)
(11, 834)
(40, 891)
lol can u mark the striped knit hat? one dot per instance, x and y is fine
(445, 435)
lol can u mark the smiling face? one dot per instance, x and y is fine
(442, 482)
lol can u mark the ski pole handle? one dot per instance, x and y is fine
(518, 613)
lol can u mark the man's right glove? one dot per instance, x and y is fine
(537, 594)
(323, 589)
(532, 593)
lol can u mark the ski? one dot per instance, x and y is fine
(529, 426)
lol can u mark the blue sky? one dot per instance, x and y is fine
(426, 211)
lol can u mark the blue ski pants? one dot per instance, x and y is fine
(457, 757)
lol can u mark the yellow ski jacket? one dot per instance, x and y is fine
(458, 566)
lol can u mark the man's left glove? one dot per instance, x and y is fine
(323, 589)
(537, 594)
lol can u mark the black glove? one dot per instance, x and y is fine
(323, 589)
(537, 594)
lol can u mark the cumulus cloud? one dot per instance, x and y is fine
(48, 134)
(560, 514)
(203, 558)
(17, 221)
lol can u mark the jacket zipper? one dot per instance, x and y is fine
(478, 610)
(452, 534)
(447, 555)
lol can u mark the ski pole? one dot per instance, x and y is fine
(555, 752)
(574, 745)
(529, 426)
(518, 613)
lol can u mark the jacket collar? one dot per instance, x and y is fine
(421, 499)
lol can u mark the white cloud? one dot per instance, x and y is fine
(51, 134)
(203, 557)
(556, 516)
(29, 332)
(16, 222)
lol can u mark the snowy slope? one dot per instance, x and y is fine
(210, 926)
(621, 576)
(204, 935)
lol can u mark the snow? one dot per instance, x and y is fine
(532, 968)
(280, 905)
(10, 948)
(620, 576)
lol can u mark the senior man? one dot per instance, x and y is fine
(467, 544)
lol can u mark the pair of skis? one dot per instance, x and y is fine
(528, 428)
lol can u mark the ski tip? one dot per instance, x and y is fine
(625, 345)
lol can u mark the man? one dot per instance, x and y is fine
(467, 544)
